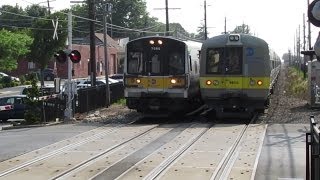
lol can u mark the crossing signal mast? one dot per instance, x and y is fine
(62, 56)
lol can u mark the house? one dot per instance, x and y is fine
(82, 69)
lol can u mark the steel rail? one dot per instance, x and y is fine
(159, 169)
(62, 149)
(96, 157)
(227, 162)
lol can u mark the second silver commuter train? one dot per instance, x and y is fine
(237, 73)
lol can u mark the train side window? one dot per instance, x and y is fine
(213, 60)
(190, 63)
(176, 64)
(135, 62)
(195, 67)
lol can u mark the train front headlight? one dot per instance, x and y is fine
(138, 81)
(173, 81)
(160, 42)
(259, 82)
(208, 82)
(234, 37)
(151, 41)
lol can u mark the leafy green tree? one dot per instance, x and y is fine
(44, 46)
(244, 28)
(200, 32)
(33, 112)
(10, 19)
(13, 46)
(36, 11)
(130, 14)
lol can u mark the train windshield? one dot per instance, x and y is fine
(159, 58)
(224, 60)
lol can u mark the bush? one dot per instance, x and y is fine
(121, 102)
(33, 112)
(22, 79)
(27, 82)
(6, 81)
(31, 76)
(297, 85)
(1, 86)
(16, 83)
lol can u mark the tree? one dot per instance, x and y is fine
(12, 18)
(44, 46)
(13, 46)
(33, 112)
(245, 29)
(200, 32)
(129, 14)
(36, 11)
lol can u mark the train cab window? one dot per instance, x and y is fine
(213, 60)
(135, 62)
(155, 64)
(176, 64)
(234, 60)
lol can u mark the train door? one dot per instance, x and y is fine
(233, 64)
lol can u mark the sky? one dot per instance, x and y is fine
(275, 21)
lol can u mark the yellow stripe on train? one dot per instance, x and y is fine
(235, 82)
(155, 82)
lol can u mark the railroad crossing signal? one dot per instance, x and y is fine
(61, 56)
(314, 13)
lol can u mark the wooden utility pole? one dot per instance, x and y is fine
(48, 1)
(167, 16)
(167, 19)
(205, 20)
(304, 68)
(92, 42)
(225, 25)
(304, 32)
(309, 33)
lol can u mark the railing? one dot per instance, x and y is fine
(313, 151)
(88, 99)
(52, 109)
(92, 98)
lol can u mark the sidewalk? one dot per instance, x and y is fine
(8, 126)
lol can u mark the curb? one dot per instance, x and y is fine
(29, 126)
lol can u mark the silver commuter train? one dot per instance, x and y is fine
(237, 73)
(161, 74)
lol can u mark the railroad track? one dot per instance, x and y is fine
(192, 150)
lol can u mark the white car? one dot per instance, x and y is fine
(12, 78)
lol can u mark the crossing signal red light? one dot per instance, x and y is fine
(61, 56)
(75, 56)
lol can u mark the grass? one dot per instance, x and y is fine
(296, 85)
(121, 102)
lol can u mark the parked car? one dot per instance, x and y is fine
(87, 83)
(17, 102)
(118, 77)
(46, 90)
(12, 78)
(48, 74)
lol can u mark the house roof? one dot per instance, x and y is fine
(99, 41)
(111, 42)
